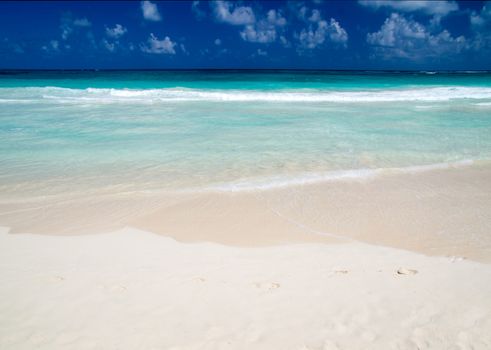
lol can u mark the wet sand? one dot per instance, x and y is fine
(443, 212)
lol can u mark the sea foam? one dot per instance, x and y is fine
(103, 95)
(276, 182)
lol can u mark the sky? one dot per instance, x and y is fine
(310, 34)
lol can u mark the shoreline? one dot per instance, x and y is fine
(441, 212)
(444, 212)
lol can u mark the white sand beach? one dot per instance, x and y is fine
(132, 289)
(243, 209)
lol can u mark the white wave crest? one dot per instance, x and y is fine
(339, 175)
(99, 95)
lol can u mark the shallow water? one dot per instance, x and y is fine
(151, 131)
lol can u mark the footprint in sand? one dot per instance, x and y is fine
(329, 345)
(119, 288)
(338, 272)
(403, 271)
(56, 279)
(114, 288)
(267, 285)
(454, 259)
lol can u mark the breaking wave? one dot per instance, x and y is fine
(101, 95)
(330, 176)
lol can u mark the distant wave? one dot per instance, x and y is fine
(338, 175)
(96, 95)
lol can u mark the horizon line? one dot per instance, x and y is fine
(239, 69)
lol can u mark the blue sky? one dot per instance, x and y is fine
(315, 34)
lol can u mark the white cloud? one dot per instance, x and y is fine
(429, 7)
(116, 32)
(183, 49)
(298, 9)
(222, 52)
(68, 24)
(316, 16)
(109, 46)
(482, 18)
(218, 42)
(265, 30)
(477, 20)
(254, 34)
(337, 33)
(82, 22)
(320, 31)
(198, 13)
(156, 46)
(54, 45)
(272, 26)
(284, 41)
(150, 11)
(65, 32)
(302, 12)
(227, 12)
(260, 52)
(261, 31)
(276, 18)
(481, 25)
(399, 37)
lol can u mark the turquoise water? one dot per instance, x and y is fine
(161, 130)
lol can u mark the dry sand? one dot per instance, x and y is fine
(135, 290)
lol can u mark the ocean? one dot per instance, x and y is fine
(166, 131)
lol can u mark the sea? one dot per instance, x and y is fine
(148, 131)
